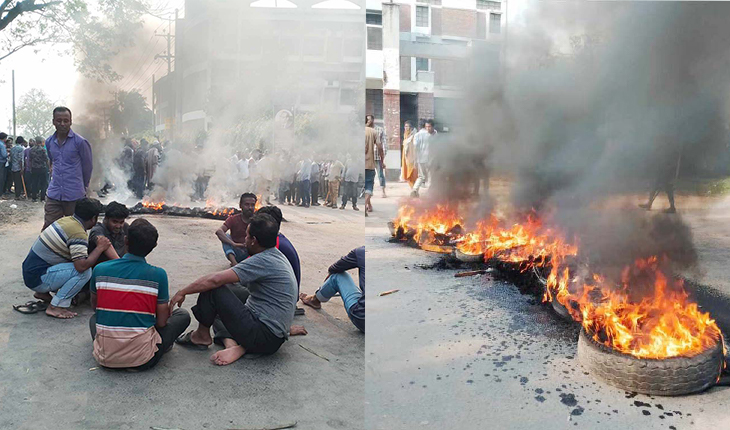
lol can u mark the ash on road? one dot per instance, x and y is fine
(51, 381)
(473, 352)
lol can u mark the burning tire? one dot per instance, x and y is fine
(663, 377)
(468, 258)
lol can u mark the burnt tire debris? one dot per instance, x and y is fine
(206, 212)
(673, 376)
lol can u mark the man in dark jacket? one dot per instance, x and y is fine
(337, 281)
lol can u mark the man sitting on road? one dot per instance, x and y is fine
(261, 324)
(114, 227)
(338, 281)
(133, 325)
(233, 243)
(59, 260)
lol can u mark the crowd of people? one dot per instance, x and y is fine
(24, 167)
(250, 307)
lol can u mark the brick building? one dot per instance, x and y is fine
(421, 49)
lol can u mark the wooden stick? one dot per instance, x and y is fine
(385, 293)
(309, 350)
(470, 273)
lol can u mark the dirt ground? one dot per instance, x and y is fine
(50, 380)
(475, 353)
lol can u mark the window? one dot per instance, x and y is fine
(422, 16)
(422, 64)
(348, 97)
(374, 18)
(489, 5)
(375, 38)
(495, 23)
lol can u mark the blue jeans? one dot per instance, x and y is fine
(340, 283)
(381, 172)
(65, 280)
(239, 253)
(369, 181)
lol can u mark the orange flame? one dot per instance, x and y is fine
(647, 314)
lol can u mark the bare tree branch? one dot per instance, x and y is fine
(4, 6)
(26, 44)
(22, 7)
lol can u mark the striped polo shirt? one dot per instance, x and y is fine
(128, 291)
(64, 241)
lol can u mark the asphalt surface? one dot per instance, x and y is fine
(51, 381)
(474, 352)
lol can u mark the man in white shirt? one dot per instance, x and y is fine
(423, 141)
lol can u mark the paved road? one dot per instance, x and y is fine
(475, 353)
(45, 364)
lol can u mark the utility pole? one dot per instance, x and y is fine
(168, 56)
(14, 135)
(154, 118)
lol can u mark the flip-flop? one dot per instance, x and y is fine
(186, 341)
(31, 307)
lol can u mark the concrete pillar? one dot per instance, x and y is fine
(391, 86)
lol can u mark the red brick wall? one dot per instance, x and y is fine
(461, 23)
(405, 68)
(425, 106)
(391, 118)
(436, 21)
(405, 18)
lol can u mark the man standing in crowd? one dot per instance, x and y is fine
(153, 161)
(305, 185)
(262, 323)
(423, 141)
(39, 170)
(115, 228)
(17, 153)
(133, 326)
(314, 178)
(335, 178)
(4, 157)
(338, 281)
(139, 168)
(380, 162)
(26, 166)
(71, 164)
(351, 177)
(234, 243)
(372, 145)
(59, 260)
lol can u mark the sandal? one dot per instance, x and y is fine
(31, 307)
(186, 341)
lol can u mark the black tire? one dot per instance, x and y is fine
(669, 377)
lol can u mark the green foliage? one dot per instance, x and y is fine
(129, 113)
(95, 35)
(34, 113)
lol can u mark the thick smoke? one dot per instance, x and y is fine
(596, 100)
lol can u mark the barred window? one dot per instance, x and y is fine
(495, 23)
(489, 5)
(422, 16)
(375, 38)
(422, 64)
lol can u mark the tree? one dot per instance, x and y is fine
(34, 113)
(130, 114)
(95, 34)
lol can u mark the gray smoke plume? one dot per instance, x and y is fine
(595, 101)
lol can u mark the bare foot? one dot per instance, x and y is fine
(228, 355)
(46, 297)
(297, 330)
(311, 301)
(201, 337)
(62, 313)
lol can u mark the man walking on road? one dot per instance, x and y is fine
(71, 165)
(423, 141)
(372, 145)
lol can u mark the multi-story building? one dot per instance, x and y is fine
(298, 55)
(422, 49)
